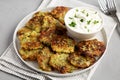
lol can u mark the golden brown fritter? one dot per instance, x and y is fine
(29, 40)
(41, 14)
(63, 44)
(23, 30)
(28, 35)
(34, 24)
(29, 55)
(50, 28)
(59, 62)
(51, 23)
(48, 23)
(46, 36)
(43, 59)
(80, 61)
(91, 47)
(59, 13)
(31, 45)
(36, 21)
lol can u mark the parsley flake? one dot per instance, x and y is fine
(95, 22)
(75, 16)
(95, 12)
(88, 22)
(81, 20)
(88, 30)
(83, 11)
(72, 24)
(76, 10)
(87, 14)
(85, 27)
(70, 18)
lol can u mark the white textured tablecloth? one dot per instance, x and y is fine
(10, 63)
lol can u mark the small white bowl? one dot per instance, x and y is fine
(90, 22)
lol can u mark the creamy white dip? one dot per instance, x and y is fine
(84, 20)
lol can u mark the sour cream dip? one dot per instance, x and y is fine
(83, 22)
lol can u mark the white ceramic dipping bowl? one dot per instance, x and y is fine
(83, 22)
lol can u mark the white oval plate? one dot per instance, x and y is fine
(33, 65)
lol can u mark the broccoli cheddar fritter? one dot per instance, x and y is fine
(29, 39)
(50, 27)
(49, 22)
(30, 55)
(91, 47)
(36, 21)
(46, 36)
(59, 62)
(63, 44)
(80, 61)
(43, 59)
(59, 13)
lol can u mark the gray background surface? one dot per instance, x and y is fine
(13, 11)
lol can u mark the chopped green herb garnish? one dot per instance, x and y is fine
(87, 14)
(70, 18)
(81, 20)
(95, 12)
(83, 11)
(95, 22)
(75, 16)
(88, 22)
(85, 27)
(88, 30)
(76, 10)
(72, 24)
